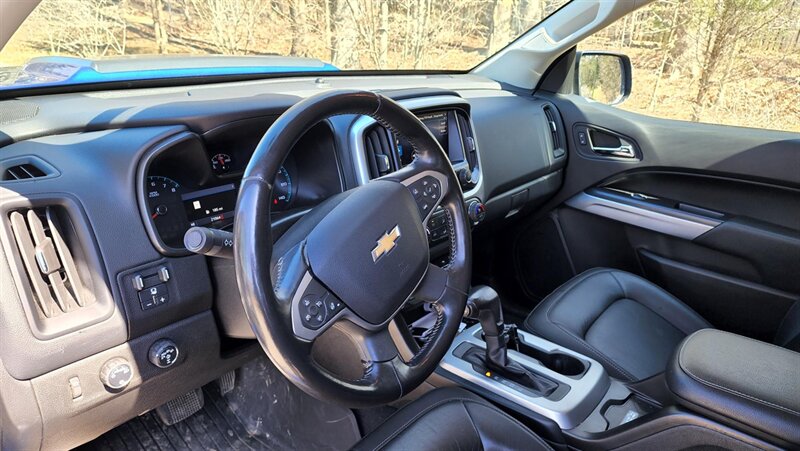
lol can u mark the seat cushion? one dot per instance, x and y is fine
(451, 418)
(623, 321)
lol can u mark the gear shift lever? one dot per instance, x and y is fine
(484, 303)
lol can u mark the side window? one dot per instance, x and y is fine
(733, 62)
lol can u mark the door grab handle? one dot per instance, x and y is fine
(625, 149)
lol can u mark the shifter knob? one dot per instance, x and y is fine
(483, 304)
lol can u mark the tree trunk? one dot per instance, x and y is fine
(667, 46)
(525, 16)
(725, 24)
(328, 19)
(420, 33)
(383, 35)
(159, 27)
(678, 41)
(344, 54)
(298, 11)
(500, 25)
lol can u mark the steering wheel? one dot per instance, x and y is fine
(338, 278)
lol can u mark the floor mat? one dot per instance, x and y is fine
(264, 412)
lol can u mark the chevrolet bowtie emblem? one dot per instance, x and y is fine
(386, 243)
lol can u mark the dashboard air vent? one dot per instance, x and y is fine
(380, 151)
(25, 168)
(555, 133)
(468, 140)
(22, 172)
(53, 259)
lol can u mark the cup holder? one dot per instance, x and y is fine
(556, 361)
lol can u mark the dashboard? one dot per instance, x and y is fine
(118, 181)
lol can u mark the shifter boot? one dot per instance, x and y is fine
(512, 371)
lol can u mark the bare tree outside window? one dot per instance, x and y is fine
(732, 62)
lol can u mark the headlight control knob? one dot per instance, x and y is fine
(476, 211)
(163, 353)
(116, 374)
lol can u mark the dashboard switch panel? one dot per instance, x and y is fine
(154, 296)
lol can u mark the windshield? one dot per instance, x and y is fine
(94, 41)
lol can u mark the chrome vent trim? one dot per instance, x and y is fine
(49, 261)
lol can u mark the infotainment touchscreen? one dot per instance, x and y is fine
(436, 122)
(210, 206)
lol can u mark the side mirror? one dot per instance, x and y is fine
(604, 77)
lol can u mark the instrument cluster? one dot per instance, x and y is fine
(195, 181)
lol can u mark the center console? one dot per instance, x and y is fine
(719, 388)
(534, 376)
(744, 383)
(579, 382)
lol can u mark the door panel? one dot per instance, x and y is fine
(710, 213)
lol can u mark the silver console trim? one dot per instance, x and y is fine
(584, 395)
(681, 227)
(360, 126)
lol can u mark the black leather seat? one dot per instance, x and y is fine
(451, 418)
(623, 321)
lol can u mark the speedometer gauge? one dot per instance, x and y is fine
(282, 191)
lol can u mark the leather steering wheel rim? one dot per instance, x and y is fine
(272, 286)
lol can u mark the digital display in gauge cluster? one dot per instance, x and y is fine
(211, 206)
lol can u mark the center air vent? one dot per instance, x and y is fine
(380, 151)
(53, 259)
(554, 126)
(468, 141)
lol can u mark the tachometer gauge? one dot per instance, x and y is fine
(221, 163)
(282, 191)
(165, 208)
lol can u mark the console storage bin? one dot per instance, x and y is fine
(748, 384)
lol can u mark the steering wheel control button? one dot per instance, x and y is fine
(432, 190)
(313, 311)
(154, 296)
(437, 227)
(116, 374)
(163, 353)
(426, 191)
(333, 305)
